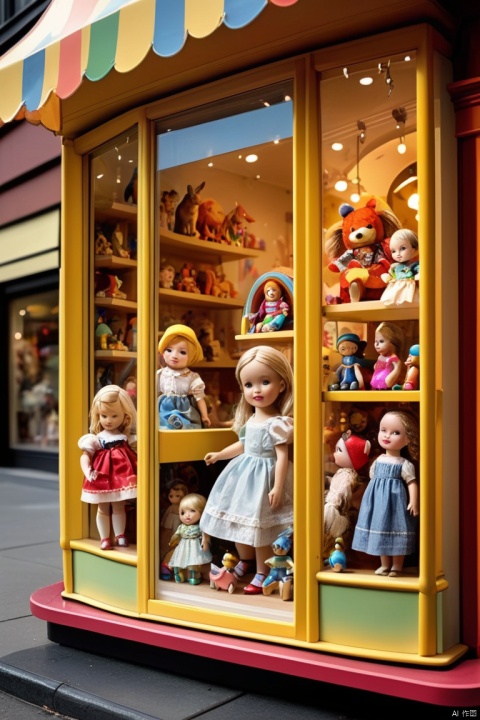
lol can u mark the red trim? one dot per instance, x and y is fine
(457, 686)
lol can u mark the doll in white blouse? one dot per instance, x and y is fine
(181, 392)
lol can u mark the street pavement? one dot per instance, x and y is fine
(38, 677)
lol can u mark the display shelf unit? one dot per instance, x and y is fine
(202, 250)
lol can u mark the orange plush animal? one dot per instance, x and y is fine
(358, 248)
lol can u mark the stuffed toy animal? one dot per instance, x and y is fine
(358, 249)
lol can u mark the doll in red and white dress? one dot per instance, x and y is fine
(109, 461)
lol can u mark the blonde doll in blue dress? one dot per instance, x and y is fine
(251, 502)
(387, 519)
(190, 543)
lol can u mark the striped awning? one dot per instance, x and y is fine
(77, 39)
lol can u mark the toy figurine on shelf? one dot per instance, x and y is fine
(130, 386)
(412, 378)
(224, 578)
(349, 375)
(389, 340)
(168, 203)
(252, 499)
(190, 543)
(281, 567)
(186, 212)
(338, 558)
(272, 312)
(209, 220)
(171, 518)
(102, 245)
(386, 524)
(167, 276)
(350, 456)
(108, 285)
(404, 272)
(109, 462)
(118, 244)
(232, 230)
(181, 392)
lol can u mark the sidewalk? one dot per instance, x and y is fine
(85, 686)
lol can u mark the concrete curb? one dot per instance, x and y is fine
(62, 698)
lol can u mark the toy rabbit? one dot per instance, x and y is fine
(186, 213)
(109, 461)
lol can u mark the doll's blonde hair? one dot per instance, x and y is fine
(194, 501)
(111, 395)
(393, 334)
(274, 359)
(410, 423)
(177, 333)
(405, 235)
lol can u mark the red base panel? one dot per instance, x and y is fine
(456, 686)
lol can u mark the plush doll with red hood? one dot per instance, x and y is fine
(358, 248)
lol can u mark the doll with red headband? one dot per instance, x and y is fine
(351, 455)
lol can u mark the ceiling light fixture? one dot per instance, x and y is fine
(337, 146)
(341, 185)
(385, 68)
(251, 158)
(366, 81)
(400, 117)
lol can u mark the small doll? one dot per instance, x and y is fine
(252, 499)
(181, 392)
(338, 558)
(167, 276)
(190, 543)
(405, 270)
(109, 461)
(412, 378)
(389, 339)
(386, 524)
(272, 312)
(170, 518)
(350, 455)
(281, 567)
(348, 373)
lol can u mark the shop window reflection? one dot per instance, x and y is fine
(33, 321)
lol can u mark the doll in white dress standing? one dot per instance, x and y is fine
(251, 502)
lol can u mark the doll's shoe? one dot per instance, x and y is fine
(243, 567)
(394, 573)
(382, 570)
(121, 541)
(175, 422)
(194, 578)
(105, 544)
(178, 575)
(255, 587)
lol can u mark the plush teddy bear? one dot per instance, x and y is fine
(358, 249)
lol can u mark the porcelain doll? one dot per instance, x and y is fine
(190, 543)
(171, 518)
(351, 455)
(109, 462)
(181, 392)
(348, 373)
(386, 524)
(251, 502)
(167, 276)
(404, 272)
(389, 339)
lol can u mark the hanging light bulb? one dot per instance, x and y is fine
(402, 148)
(341, 185)
(355, 197)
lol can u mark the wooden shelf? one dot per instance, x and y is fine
(114, 262)
(115, 355)
(392, 396)
(267, 338)
(202, 250)
(371, 310)
(178, 297)
(116, 303)
(172, 444)
(116, 211)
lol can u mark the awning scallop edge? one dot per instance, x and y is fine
(77, 39)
